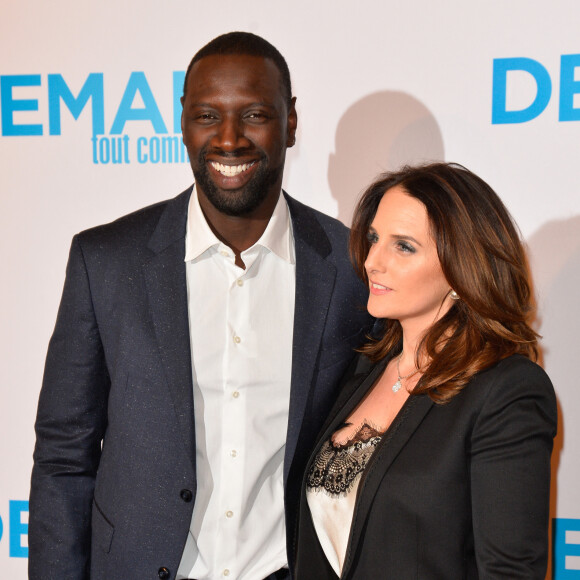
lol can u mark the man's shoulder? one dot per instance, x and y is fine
(326, 234)
(138, 224)
(299, 209)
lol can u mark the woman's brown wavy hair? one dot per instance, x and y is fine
(484, 261)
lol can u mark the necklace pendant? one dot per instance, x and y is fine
(396, 386)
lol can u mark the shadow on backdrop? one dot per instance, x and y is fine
(380, 132)
(555, 260)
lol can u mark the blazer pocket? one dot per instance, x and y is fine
(103, 529)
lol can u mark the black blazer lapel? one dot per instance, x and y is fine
(410, 417)
(315, 279)
(167, 292)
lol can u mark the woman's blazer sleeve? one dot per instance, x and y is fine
(511, 445)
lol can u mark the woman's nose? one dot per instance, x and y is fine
(374, 261)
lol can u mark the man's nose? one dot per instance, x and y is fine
(230, 135)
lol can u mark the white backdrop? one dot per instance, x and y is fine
(378, 83)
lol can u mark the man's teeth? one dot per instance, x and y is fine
(231, 170)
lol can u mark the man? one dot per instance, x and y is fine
(198, 347)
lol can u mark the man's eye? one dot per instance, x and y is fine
(256, 116)
(205, 117)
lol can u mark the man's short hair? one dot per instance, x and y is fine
(245, 43)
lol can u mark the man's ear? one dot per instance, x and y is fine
(182, 100)
(292, 123)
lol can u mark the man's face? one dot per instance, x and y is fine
(236, 127)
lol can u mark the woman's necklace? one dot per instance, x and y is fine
(398, 384)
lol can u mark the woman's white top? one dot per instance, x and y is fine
(332, 484)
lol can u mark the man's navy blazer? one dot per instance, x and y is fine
(114, 479)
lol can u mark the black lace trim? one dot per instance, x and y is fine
(335, 468)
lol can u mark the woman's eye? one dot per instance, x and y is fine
(405, 247)
(372, 238)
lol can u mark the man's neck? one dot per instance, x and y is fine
(239, 232)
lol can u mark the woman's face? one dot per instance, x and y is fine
(405, 277)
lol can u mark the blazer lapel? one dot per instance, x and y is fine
(167, 291)
(315, 279)
(410, 417)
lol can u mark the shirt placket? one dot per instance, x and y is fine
(234, 408)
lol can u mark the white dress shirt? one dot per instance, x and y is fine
(241, 326)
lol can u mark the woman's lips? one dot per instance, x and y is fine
(378, 289)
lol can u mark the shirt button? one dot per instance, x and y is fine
(237, 339)
(226, 572)
(229, 514)
(224, 253)
(239, 282)
(235, 394)
(233, 453)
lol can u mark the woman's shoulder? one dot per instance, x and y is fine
(516, 370)
(515, 384)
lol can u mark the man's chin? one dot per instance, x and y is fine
(240, 201)
(234, 202)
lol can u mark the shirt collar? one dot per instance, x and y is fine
(277, 237)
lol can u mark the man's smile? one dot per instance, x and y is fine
(231, 170)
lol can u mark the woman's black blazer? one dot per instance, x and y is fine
(453, 491)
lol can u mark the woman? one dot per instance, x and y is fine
(435, 461)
